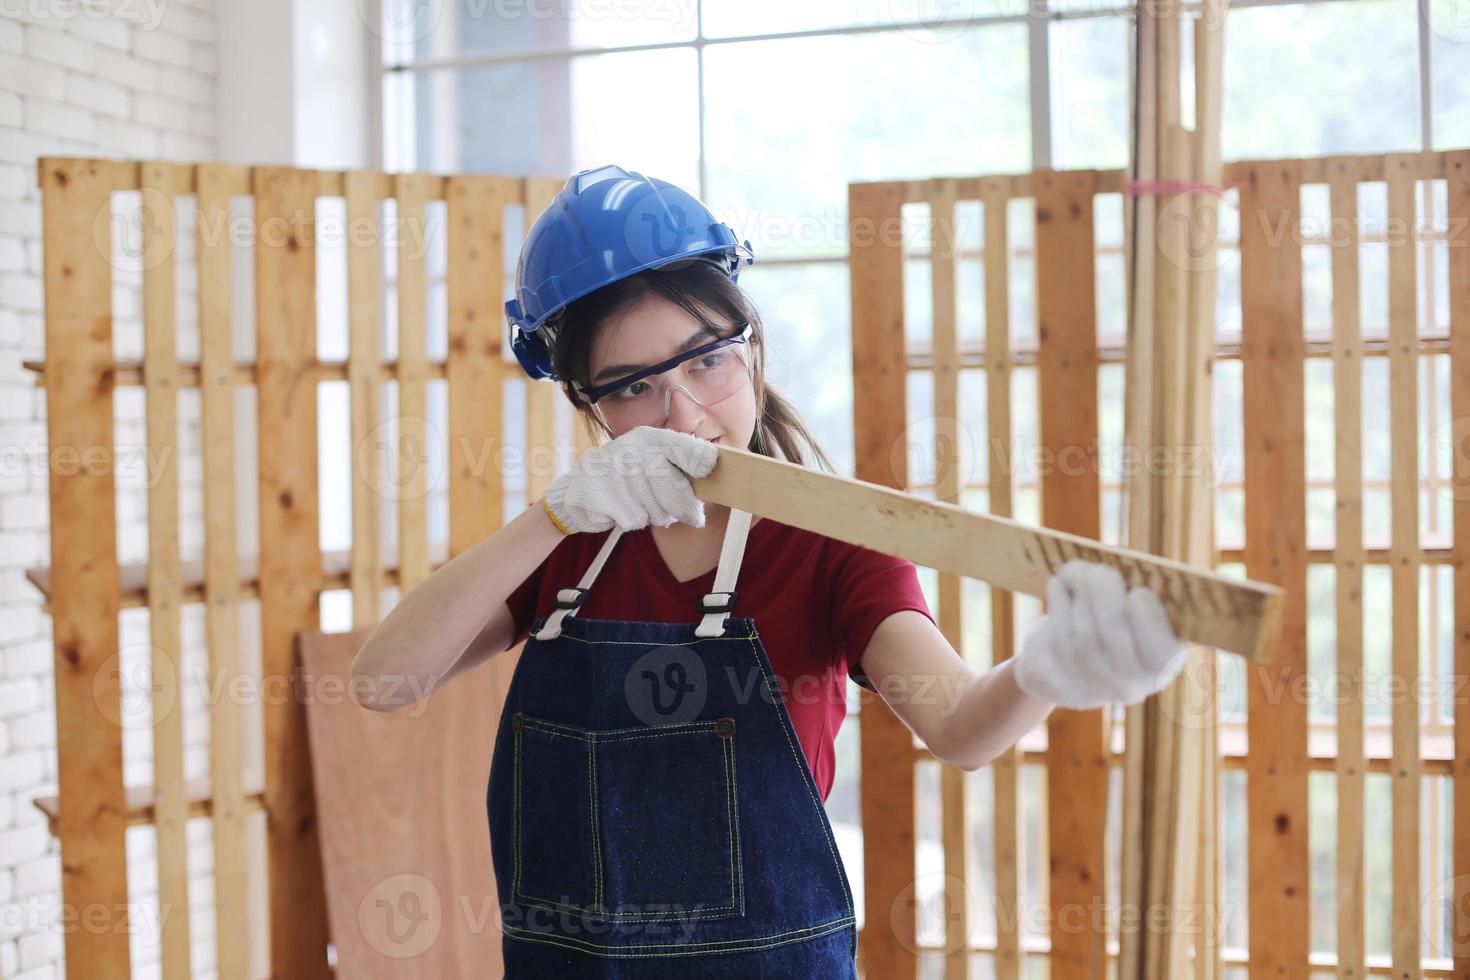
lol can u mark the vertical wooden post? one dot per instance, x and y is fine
(1010, 841)
(880, 381)
(1403, 406)
(414, 441)
(76, 197)
(290, 556)
(222, 572)
(1347, 387)
(363, 203)
(1275, 551)
(948, 487)
(159, 183)
(476, 367)
(1457, 174)
(1067, 361)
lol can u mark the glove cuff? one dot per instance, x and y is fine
(546, 505)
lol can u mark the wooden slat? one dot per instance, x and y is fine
(955, 818)
(129, 372)
(886, 943)
(77, 275)
(1203, 606)
(475, 208)
(1457, 174)
(139, 810)
(1010, 841)
(476, 366)
(1077, 774)
(1347, 386)
(125, 175)
(364, 354)
(220, 573)
(1275, 516)
(1403, 368)
(1209, 59)
(413, 447)
(161, 409)
(541, 396)
(1140, 228)
(285, 292)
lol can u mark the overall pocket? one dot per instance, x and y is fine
(634, 824)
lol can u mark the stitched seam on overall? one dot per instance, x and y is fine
(551, 904)
(821, 815)
(737, 866)
(615, 734)
(516, 821)
(723, 946)
(592, 810)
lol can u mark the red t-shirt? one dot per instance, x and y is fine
(815, 600)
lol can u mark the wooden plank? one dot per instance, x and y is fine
(162, 424)
(1347, 387)
(475, 208)
(416, 842)
(77, 278)
(364, 354)
(1209, 59)
(1141, 252)
(1077, 774)
(1457, 174)
(1275, 515)
(220, 573)
(541, 396)
(1010, 841)
(409, 483)
(139, 806)
(476, 367)
(129, 372)
(1203, 606)
(285, 292)
(955, 820)
(886, 945)
(1403, 410)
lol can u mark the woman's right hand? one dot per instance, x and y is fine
(641, 477)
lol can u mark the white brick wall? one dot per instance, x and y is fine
(73, 83)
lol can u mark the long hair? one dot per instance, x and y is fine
(704, 289)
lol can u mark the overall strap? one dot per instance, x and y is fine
(717, 605)
(568, 601)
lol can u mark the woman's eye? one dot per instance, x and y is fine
(712, 359)
(624, 394)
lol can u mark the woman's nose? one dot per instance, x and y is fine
(691, 408)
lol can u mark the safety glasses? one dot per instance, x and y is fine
(626, 387)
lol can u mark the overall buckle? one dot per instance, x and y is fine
(709, 604)
(578, 596)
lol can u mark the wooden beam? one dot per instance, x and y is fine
(1205, 607)
(1275, 527)
(1076, 771)
(887, 944)
(76, 196)
(285, 291)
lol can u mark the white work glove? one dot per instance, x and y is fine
(641, 477)
(1099, 642)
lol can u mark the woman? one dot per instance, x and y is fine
(666, 743)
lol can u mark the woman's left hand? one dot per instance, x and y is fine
(1099, 642)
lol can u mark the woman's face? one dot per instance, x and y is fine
(653, 330)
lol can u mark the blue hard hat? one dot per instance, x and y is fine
(606, 224)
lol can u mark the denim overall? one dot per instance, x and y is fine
(651, 812)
